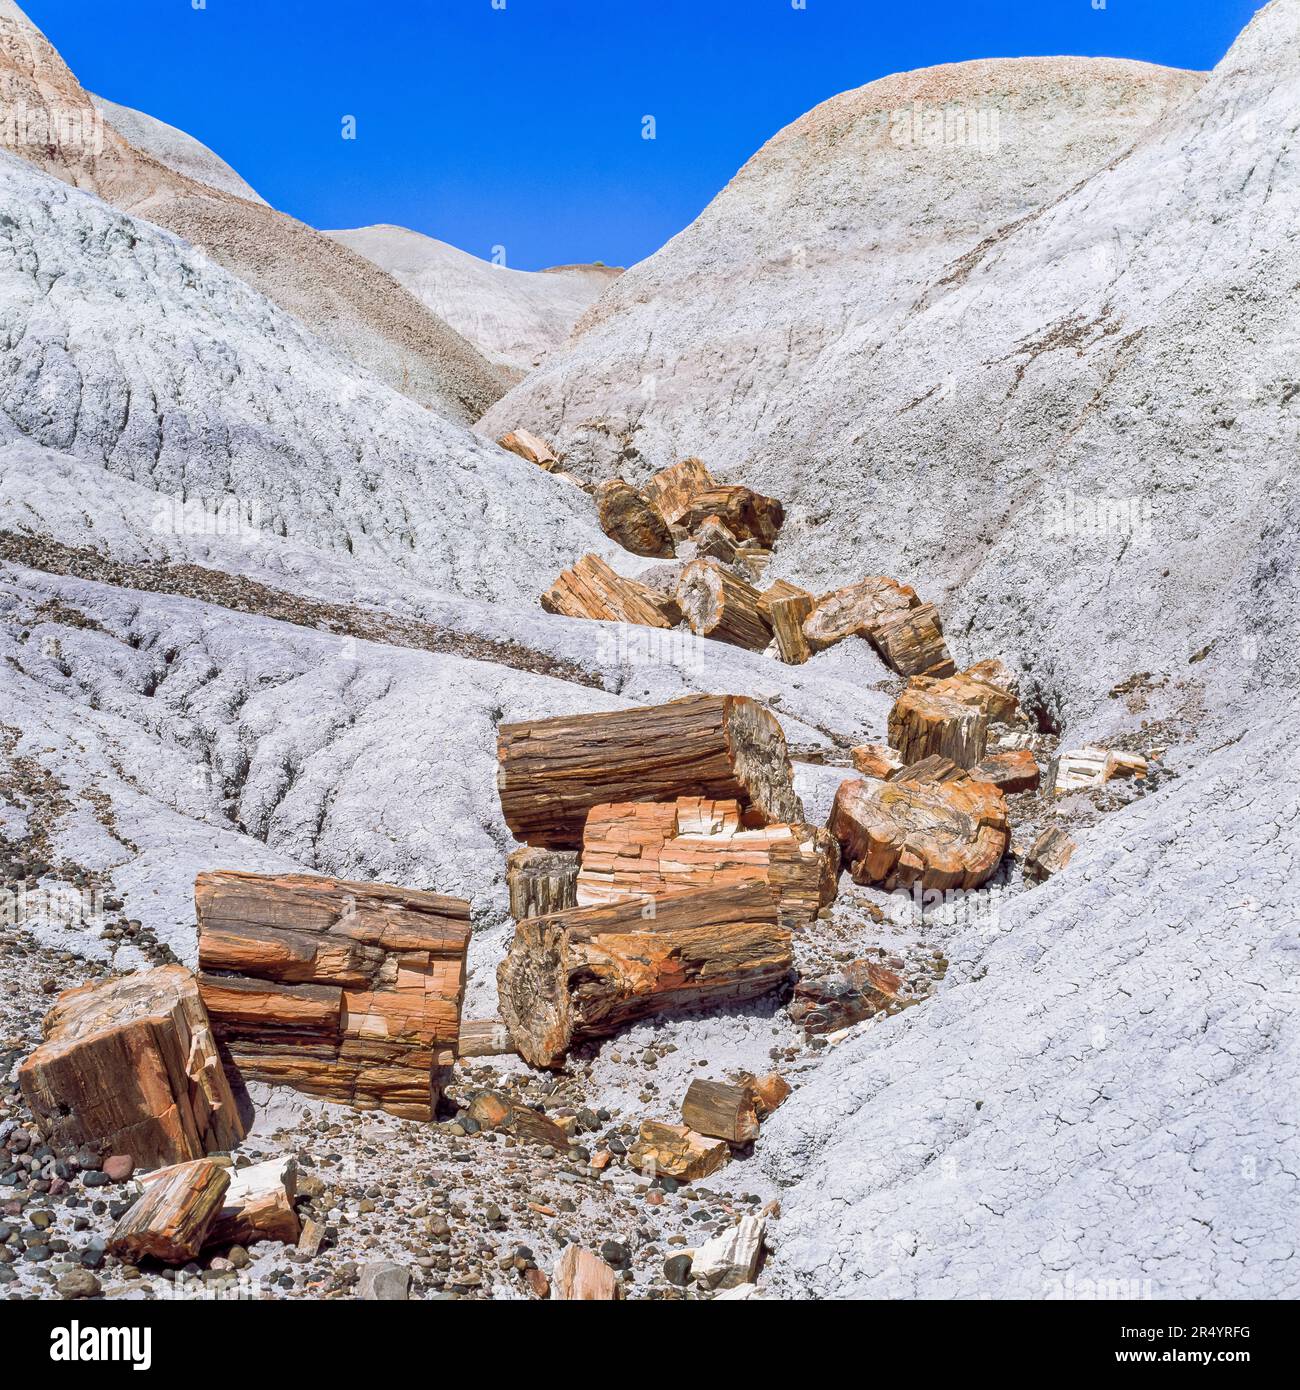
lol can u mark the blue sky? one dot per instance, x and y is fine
(521, 126)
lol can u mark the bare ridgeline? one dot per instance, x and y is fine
(665, 866)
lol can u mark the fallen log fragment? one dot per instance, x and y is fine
(768, 1090)
(913, 643)
(256, 1206)
(648, 849)
(1051, 852)
(1011, 770)
(786, 606)
(492, 1110)
(348, 991)
(939, 834)
(541, 881)
(877, 760)
(484, 1037)
(721, 1111)
(927, 720)
(714, 541)
(747, 514)
(719, 605)
(130, 1065)
(170, 1222)
(673, 489)
(590, 589)
(551, 772)
(676, 1151)
(581, 1277)
(587, 973)
(531, 447)
(833, 1002)
(628, 516)
(858, 610)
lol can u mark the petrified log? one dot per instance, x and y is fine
(676, 1151)
(942, 835)
(719, 605)
(258, 1205)
(927, 720)
(581, 1277)
(748, 515)
(836, 1001)
(858, 610)
(721, 1111)
(935, 768)
(1081, 769)
(999, 705)
(492, 1110)
(672, 490)
(531, 447)
(1051, 852)
(786, 606)
(541, 881)
(131, 1066)
(484, 1037)
(589, 972)
(913, 644)
(768, 1090)
(349, 991)
(629, 517)
(590, 589)
(714, 541)
(170, 1222)
(1011, 770)
(648, 849)
(876, 760)
(551, 772)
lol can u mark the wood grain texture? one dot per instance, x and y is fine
(673, 489)
(170, 1221)
(721, 1110)
(541, 881)
(718, 604)
(628, 516)
(591, 589)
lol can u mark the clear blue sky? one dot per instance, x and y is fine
(521, 126)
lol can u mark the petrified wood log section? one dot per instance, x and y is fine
(673, 489)
(349, 991)
(913, 644)
(541, 881)
(484, 1037)
(721, 1110)
(531, 447)
(927, 720)
(748, 515)
(786, 606)
(1011, 770)
(876, 760)
(714, 541)
(1051, 852)
(858, 610)
(587, 973)
(131, 1066)
(629, 517)
(719, 605)
(590, 589)
(581, 1277)
(551, 772)
(170, 1222)
(645, 849)
(676, 1151)
(949, 834)
(968, 687)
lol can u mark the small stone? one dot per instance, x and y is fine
(119, 1167)
(383, 1282)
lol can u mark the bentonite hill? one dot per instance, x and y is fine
(832, 767)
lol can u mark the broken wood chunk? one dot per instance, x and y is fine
(999, 705)
(347, 991)
(913, 644)
(541, 881)
(877, 760)
(676, 1151)
(928, 721)
(551, 772)
(628, 516)
(949, 834)
(484, 1037)
(581, 1277)
(747, 514)
(1051, 852)
(1082, 769)
(832, 1002)
(170, 1222)
(858, 610)
(714, 541)
(935, 768)
(131, 1065)
(591, 971)
(648, 849)
(258, 1205)
(721, 1111)
(591, 589)
(768, 1090)
(717, 604)
(531, 447)
(493, 1110)
(673, 489)
(786, 606)
(1011, 770)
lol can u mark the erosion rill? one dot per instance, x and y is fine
(348, 991)
(551, 772)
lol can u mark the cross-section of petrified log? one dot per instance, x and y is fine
(590, 589)
(587, 973)
(349, 991)
(1010, 770)
(258, 1204)
(170, 1222)
(719, 605)
(786, 606)
(673, 489)
(927, 720)
(998, 704)
(676, 1151)
(551, 772)
(721, 1110)
(647, 849)
(949, 834)
(629, 517)
(858, 610)
(131, 1066)
(913, 643)
(748, 515)
(541, 881)
(531, 447)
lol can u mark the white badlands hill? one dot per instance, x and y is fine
(514, 317)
